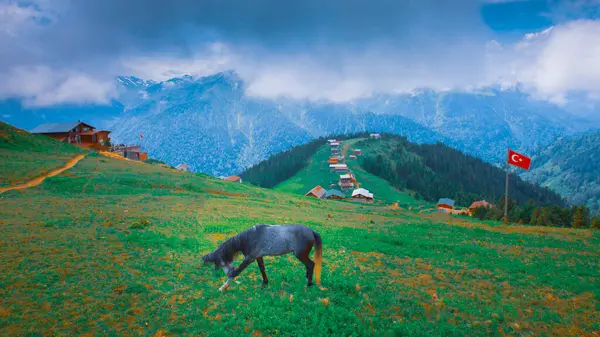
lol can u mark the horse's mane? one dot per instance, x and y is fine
(232, 246)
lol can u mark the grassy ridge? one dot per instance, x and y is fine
(26, 156)
(436, 171)
(112, 248)
(317, 173)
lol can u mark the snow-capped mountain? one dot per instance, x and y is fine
(211, 124)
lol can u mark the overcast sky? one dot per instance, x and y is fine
(68, 51)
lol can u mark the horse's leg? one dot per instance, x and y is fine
(310, 265)
(261, 266)
(226, 270)
(236, 271)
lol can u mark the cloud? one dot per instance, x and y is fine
(42, 86)
(334, 49)
(554, 63)
(69, 51)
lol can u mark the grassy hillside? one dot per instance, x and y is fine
(25, 156)
(436, 171)
(112, 248)
(571, 166)
(284, 165)
(317, 173)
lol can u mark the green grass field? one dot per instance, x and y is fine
(112, 248)
(26, 156)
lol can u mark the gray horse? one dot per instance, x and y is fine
(268, 240)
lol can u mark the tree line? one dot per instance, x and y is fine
(436, 171)
(286, 164)
(577, 216)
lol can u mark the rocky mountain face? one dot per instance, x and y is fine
(211, 124)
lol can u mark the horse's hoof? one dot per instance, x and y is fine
(264, 285)
(238, 282)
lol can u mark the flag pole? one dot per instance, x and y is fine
(506, 192)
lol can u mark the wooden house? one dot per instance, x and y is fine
(338, 167)
(477, 204)
(317, 192)
(77, 133)
(347, 181)
(133, 152)
(357, 152)
(335, 194)
(375, 136)
(235, 179)
(462, 211)
(333, 160)
(445, 205)
(182, 167)
(335, 151)
(362, 195)
(352, 156)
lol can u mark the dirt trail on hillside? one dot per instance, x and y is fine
(38, 180)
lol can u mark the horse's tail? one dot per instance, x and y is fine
(318, 257)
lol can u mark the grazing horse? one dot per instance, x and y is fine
(268, 240)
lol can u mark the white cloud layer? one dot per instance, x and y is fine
(550, 65)
(43, 86)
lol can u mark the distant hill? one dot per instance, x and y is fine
(437, 171)
(571, 166)
(25, 155)
(395, 169)
(283, 165)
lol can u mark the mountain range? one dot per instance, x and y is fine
(214, 126)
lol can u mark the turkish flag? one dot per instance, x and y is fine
(518, 159)
(141, 136)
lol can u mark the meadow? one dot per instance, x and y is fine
(24, 156)
(113, 248)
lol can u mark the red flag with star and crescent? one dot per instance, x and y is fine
(517, 159)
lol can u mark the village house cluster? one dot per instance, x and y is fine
(347, 181)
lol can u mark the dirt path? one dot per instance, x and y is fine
(38, 180)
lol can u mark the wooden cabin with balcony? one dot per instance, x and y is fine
(77, 133)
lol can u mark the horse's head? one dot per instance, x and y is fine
(212, 258)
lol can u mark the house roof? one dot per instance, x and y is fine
(347, 176)
(446, 201)
(363, 192)
(182, 166)
(334, 192)
(338, 166)
(232, 178)
(92, 132)
(56, 127)
(481, 203)
(317, 191)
